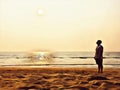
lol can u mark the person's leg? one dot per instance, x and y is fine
(99, 68)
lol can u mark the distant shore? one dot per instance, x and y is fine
(24, 78)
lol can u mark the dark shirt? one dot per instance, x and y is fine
(99, 52)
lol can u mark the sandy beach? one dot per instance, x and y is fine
(21, 78)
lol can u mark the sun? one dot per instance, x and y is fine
(40, 12)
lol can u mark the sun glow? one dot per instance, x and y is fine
(40, 12)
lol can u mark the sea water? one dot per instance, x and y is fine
(59, 59)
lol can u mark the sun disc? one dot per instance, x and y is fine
(40, 12)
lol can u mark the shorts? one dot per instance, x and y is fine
(99, 61)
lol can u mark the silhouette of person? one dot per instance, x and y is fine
(99, 56)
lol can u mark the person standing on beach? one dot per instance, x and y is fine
(99, 56)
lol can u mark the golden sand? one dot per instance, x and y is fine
(16, 78)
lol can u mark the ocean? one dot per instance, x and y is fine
(58, 59)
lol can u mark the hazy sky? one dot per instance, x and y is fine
(59, 25)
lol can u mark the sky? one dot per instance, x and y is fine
(59, 25)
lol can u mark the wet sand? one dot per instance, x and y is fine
(21, 78)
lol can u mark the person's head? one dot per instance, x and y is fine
(98, 42)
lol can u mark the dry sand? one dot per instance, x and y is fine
(15, 78)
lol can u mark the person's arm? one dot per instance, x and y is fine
(96, 54)
(100, 53)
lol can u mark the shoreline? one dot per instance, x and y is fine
(59, 66)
